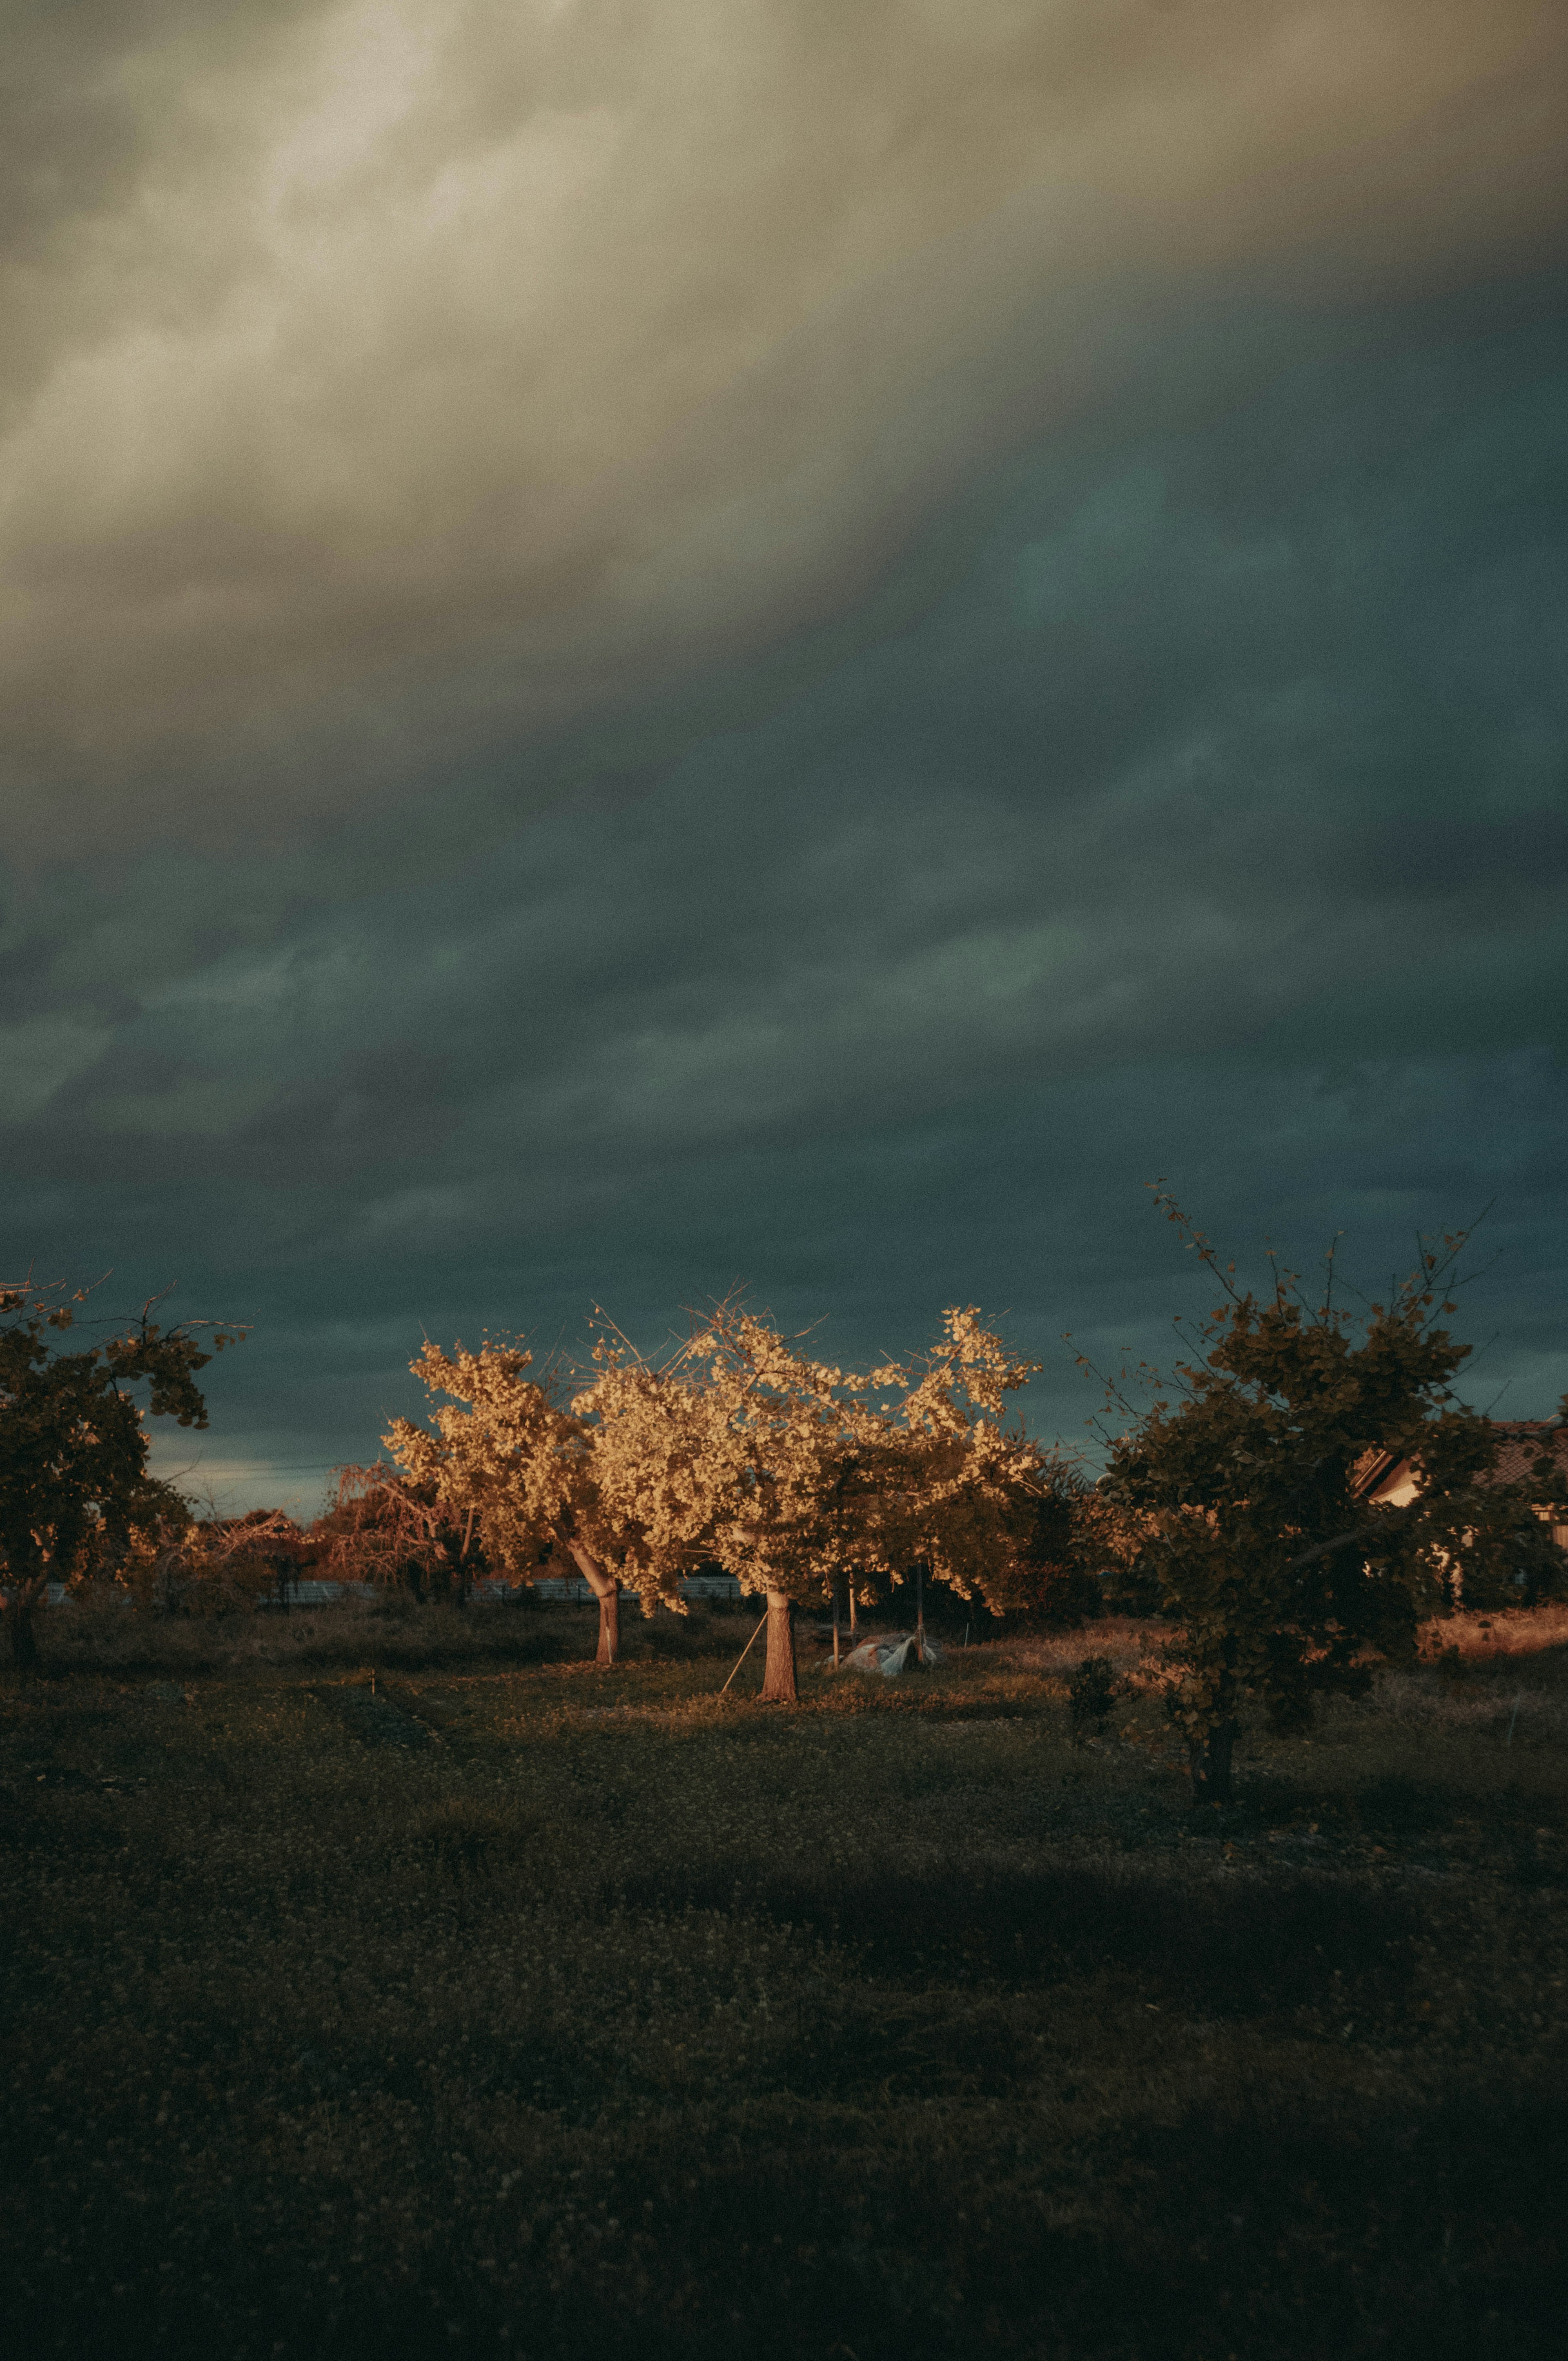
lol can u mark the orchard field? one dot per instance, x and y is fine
(389, 1981)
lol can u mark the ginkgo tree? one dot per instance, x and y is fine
(978, 1493)
(800, 1465)
(501, 1457)
(798, 1476)
(736, 1448)
(618, 1479)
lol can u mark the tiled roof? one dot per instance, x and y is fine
(1520, 1442)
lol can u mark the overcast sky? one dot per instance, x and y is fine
(654, 642)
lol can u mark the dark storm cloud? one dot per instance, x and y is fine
(385, 383)
(1180, 823)
(649, 642)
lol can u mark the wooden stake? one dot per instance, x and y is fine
(742, 1656)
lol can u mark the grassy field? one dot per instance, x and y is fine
(517, 2009)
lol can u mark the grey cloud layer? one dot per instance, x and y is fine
(645, 642)
(1298, 651)
(389, 383)
(1192, 801)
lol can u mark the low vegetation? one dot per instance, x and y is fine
(385, 1981)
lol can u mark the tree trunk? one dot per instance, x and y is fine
(20, 1601)
(607, 1590)
(465, 1571)
(778, 1680)
(1209, 1756)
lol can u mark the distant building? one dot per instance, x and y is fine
(1389, 1479)
(1386, 1480)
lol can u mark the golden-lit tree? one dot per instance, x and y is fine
(526, 1476)
(784, 1472)
(737, 1449)
(660, 1466)
(976, 1494)
(502, 1461)
(797, 1476)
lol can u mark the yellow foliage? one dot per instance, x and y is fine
(791, 1473)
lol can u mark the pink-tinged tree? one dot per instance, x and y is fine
(383, 1529)
(214, 1565)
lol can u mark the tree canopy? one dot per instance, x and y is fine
(1244, 1474)
(505, 1456)
(739, 1449)
(73, 1441)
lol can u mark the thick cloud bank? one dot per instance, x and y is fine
(386, 383)
(651, 644)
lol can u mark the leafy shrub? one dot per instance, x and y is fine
(1091, 1693)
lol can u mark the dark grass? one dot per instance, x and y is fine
(514, 2009)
